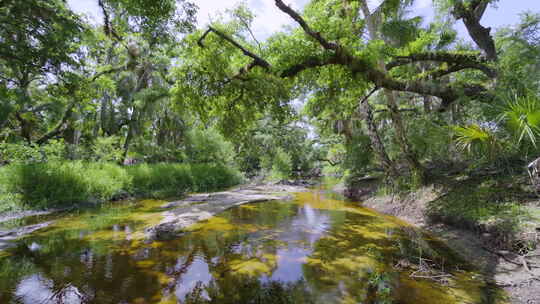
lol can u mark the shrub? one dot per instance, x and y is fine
(160, 180)
(54, 150)
(107, 149)
(208, 146)
(282, 165)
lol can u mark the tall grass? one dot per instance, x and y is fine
(43, 185)
(162, 180)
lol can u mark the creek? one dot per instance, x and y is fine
(314, 248)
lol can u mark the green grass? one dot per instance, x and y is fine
(63, 184)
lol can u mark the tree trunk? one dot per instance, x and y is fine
(417, 170)
(427, 104)
(376, 143)
(129, 136)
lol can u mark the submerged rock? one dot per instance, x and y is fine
(199, 207)
(8, 236)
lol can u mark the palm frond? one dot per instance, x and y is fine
(522, 117)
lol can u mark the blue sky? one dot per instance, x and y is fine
(270, 19)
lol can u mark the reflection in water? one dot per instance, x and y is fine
(311, 250)
(289, 264)
(37, 289)
(197, 273)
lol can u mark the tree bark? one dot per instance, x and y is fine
(471, 14)
(376, 143)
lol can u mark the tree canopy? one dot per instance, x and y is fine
(359, 86)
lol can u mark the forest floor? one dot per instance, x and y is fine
(493, 221)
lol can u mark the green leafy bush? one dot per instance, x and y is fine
(107, 149)
(477, 140)
(54, 150)
(522, 117)
(159, 180)
(40, 185)
(282, 165)
(162, 180)
(208, 146)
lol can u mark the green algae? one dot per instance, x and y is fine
(309, 250)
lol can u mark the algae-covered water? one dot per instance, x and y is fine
(308, 250)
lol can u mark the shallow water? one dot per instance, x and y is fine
(309, 250)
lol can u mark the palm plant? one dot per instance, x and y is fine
(522, 117)
(479, 139)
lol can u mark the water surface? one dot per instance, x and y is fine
(312, 249)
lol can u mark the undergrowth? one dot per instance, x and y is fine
(63, 184)
(492, 205)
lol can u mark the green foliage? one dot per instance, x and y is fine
(54, 150)
(160, 19)
(43, 185)
(432, 139)
(162, 180)
(37, 36)
(358, 154)
(381, 284)
(477, 140)
(167, 180)
(479, 203)
(522, 117)
(107, 149)
(206, 146)
(281, 165)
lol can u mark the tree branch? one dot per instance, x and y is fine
(471, 15)
(360, 66)
(257, 61)
(463, 60)
(310, 62)
(315, 35)
(363, 68)
(60, 127)
(332, 163)
(108, 28)
(111, 70)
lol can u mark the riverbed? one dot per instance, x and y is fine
(312, 248)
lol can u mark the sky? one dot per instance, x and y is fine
(270, 19)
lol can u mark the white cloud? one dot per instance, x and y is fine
(88, 7)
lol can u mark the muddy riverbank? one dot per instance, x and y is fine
(518, 274)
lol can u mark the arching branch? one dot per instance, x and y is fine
(458, 61)
(310, 62)
(257, 61)
(362, 67)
